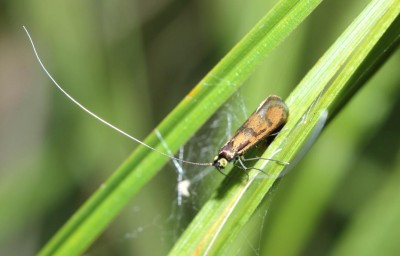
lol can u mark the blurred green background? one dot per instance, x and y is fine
(131, 62)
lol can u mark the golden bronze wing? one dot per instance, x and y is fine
(268, 117)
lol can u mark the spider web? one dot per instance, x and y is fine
(193, 185)
(189, 187)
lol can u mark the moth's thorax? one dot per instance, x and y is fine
(227, 152)
(225, 155)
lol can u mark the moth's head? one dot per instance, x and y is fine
(220, 162)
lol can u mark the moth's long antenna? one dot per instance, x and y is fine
(99, 118)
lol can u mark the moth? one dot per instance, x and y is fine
(270, 116)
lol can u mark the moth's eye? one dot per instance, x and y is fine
(223, 162)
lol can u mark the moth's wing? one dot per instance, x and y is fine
(270, 115)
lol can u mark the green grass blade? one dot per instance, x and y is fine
(345, 67)
(334, 161)
(178, 127)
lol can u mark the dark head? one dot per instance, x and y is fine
(220, 162)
